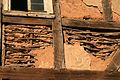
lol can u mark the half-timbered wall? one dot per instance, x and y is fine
(88, 26)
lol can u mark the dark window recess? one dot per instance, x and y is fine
(20, 5)
(37, 5)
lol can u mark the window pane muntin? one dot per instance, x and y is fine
(36, 1)
(37, 5)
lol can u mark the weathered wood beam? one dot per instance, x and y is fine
(58, 37)
(107, 11)
(3, 46)
(28, 14)
(0, 31)
(73, 23)
(10, 73)
(115, 63)
(76, 23)
(26, 20)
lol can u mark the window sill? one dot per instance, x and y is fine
(28, 14)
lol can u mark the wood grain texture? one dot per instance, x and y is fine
(0, 29)
(26, 20)
(73, 23)
(115, 63)
(107, 11)
(11, 73)
(77, 23)
(58, 37)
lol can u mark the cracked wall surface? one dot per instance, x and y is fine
(80, 9)
(116, 9)
(94, 3)
(88, 9)
(83, 50)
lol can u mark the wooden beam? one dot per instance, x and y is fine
(115, 63)
(3, 46)
(0, 31)
(58, 37)
(76, 23)
(29, 14)
(73, 23)
(26, 20)
(10, 73)
(107, 11)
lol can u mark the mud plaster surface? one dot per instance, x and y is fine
(91, 9)
(116, 9)
(44, 57)
(75, 57)
(78, 9)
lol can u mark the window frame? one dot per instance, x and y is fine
(48, 6)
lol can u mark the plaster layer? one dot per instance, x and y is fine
(88, 9)
(116, 9)
(79, 9)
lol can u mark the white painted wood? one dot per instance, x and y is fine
(48, 6)
(5, 4)
(9, 5)
(29, 4)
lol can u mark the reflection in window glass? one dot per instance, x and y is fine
(37, 5)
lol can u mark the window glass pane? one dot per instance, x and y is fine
(37, 1)
(20, 5)
(37, 5)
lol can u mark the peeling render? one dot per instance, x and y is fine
(84, 49)
(94, 3)
(88, 9)
(116, 6)
(80, 9)
(116, 9)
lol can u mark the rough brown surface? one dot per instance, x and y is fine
(21, 40)
(79, 9)
(116, 9)
(98, 64)
(98, 46)
(8, 73)
(44, 58)
(88, 9)
(84, 49)
(76, 57)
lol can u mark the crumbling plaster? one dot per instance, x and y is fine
(78, 9)
(116, 9)
(91, 9)
(94, 3)
(116, 6)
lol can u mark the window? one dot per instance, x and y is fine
(37, 5)
(28, 5)
(19, 5)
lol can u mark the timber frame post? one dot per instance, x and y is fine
(1, 29)
(115, 63)
(57, 22)
(59, 59)
(107, 11)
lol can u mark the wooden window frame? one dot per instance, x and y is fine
(48, 6)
